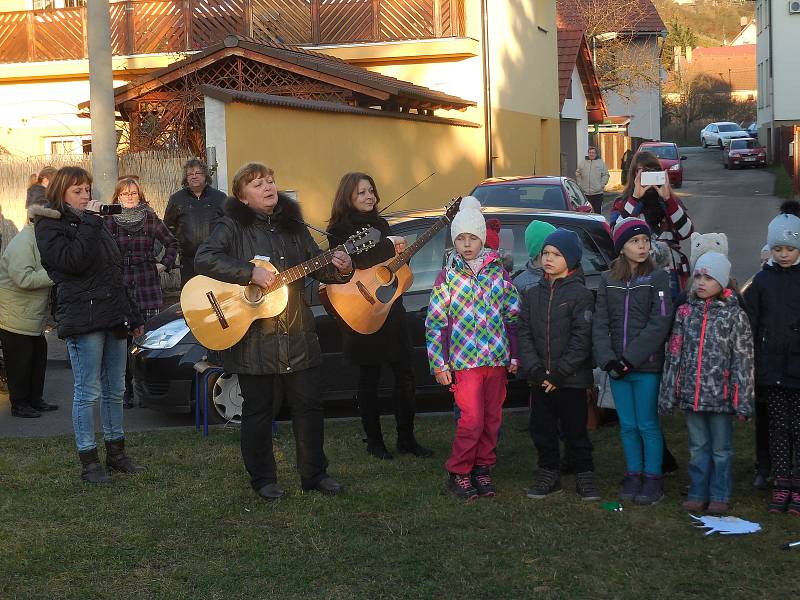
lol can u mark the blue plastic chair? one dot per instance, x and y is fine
(204, 371)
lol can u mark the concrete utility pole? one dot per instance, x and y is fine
(101, 99)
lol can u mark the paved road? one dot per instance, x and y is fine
(738, 203)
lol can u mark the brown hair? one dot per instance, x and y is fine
(621, 269)
(45, 173)
(343, 200)
(195, 163)
(124, 183)
(246, 174)
(64, 179)
(641, 160)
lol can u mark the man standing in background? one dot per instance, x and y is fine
(592, 177)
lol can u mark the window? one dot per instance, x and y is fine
(744, 144)
(728, 128)
(576, 197)
(43, 4)
(73, 144)
(668, 152)
(427, 263)
(521, 196)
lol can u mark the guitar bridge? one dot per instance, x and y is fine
(364, 292)
(212, 300)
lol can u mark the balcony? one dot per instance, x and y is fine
(176, 26)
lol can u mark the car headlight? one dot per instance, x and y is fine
(675, 167)
(166, 336)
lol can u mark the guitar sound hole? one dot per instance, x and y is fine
(253, 293)
(384, 275)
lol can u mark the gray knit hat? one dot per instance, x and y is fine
(784, 230)
(714, 265)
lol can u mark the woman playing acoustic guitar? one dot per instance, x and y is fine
(354, 207)
(259, 221)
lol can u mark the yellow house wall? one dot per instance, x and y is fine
(310, 151)
(524, 80)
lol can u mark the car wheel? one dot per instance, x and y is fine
(225, 399)
(678, 184)
(705, 143)
(719, 143)
(725, 164)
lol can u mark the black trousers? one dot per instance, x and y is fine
(763, 462)
(404, 400)
(301, 389)
(561, 410)
(596, 200)
(783, 405)
(26, 363)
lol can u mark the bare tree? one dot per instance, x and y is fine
(692, 97)
(625, 60)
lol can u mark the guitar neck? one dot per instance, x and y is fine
(292, 274)
(403, 258)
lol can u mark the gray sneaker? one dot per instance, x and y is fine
(585, 486)
(548, 482)
(631, 486)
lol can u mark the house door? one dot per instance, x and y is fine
(569, 147)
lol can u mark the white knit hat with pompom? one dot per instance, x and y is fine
(469, 219)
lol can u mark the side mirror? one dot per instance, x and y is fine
(684, 157)
(585, 208)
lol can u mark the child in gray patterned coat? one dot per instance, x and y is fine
(708, 373)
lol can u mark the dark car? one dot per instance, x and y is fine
(163, 360)
(552, 193)
(742, 153)
(669, 158)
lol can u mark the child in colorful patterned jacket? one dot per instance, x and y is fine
(708, 373)
(470, 332)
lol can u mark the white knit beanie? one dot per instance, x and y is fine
(716, 266)
(469, 219)
(784, 230)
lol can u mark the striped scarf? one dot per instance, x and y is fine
(132, 219)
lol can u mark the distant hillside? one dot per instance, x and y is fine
(712, 21)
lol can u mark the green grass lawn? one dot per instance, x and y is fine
(191, 528)
(783, 183)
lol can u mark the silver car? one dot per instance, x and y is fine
(720, 133)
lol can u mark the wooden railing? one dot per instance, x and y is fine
(153, 26)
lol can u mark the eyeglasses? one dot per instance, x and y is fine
(128, 194)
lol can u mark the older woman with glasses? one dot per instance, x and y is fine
(136, 231)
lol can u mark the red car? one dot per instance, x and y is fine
(554, 193)
(744, 152)
(670, 159)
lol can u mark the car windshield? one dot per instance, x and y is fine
(512, 239)
(744, 144)
(727, 128)
(668, 152)
(521, 195)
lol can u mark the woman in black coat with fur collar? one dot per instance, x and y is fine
(259, 221)
(355, 207)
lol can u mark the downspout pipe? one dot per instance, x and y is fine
(487, 89)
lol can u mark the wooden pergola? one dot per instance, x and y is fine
(166, 109)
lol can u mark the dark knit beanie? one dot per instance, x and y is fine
(568, 243)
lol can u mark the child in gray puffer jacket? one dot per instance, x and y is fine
(708, 373)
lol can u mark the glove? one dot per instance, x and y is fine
(556, 378)
(538, 376)
(617, 369)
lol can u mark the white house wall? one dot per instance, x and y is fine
(575, 109)
(785, 70)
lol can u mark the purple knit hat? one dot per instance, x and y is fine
(627, 228)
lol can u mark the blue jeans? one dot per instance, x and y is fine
(636, 399)
(98, 368)
(710, 456)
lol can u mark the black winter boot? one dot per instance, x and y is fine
(652, 491)
(117, 460)
(92, 471)
(410, 445)
(548, 482)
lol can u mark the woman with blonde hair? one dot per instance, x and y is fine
(136, 230)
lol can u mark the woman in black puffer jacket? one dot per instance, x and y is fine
(259, 221)
(94, 313)
(355, 207)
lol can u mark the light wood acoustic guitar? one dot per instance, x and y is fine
(219, 313)
(363, 303)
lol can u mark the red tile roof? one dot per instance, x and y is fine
(569, 42)
(573, 51)
(733, 65)
(638, 16)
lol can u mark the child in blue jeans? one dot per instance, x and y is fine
(708, 373)
(632, 319)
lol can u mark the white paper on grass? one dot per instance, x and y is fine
(725, 525)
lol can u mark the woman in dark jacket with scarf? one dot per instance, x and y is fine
(355, 207)
(94, 313)
(136, 231)
(259, 221)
